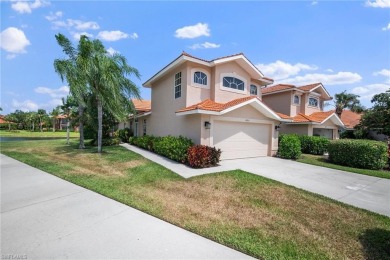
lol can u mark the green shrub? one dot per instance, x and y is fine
(313, 144)
(145, 142)
(201, 156)
(124, 134)
(172, 147)
(106, 142)
(290, 147)
(365, 154)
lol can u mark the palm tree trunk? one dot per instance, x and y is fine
(100, 124)
(54, 125)
(67, 130)
(81, 126)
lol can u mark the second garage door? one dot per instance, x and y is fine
(241, 140)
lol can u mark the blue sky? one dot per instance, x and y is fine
(343, 44)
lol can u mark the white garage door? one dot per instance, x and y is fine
(241, 140)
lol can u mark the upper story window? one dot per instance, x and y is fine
(313, 102)
(178, 85)
(253, 90)
(200, 78)
(296, 100)
(233, 83)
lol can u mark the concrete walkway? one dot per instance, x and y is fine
(44, 217)
(359, 190)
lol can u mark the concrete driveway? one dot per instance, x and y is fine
(359, 190)
(44, 217)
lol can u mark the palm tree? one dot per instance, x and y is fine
(67, 107)
(40, 114)
(106, 78)
(70, 70)
(345, 100)
(54, 114)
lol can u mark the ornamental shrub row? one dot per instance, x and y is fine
(310, 144)
(364, 154)
(124, 134)
(180, 149)
(201, 156)
(289, 147)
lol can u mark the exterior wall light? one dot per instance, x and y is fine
(277, 127)
(207, 125)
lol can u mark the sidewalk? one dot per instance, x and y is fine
(359, 190)
(44, 217)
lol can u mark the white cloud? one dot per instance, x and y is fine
(314, 2)
(26, 105)
(326, 79)
(206, 45)
(133, 36)
(112, 35)
(53, 16)
(386, 28)
(112, 51)
(23, 7)
(10, 56)
(282, 70)
(14, 41)
(54, 93)
(367, 92)
(384, 72)
(378, 3)
(75, 24)
(193, 31)
(77, 35)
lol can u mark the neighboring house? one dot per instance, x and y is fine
(61, 121)
(216, 103)
(304, 106)
(350, 119)
(143, 108)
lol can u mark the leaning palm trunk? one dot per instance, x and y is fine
(100, 124)
(81, 127)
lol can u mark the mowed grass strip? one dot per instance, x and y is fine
(37, 134)
(254, 215)
(321, 160)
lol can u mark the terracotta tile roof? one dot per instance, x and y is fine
(350, 119)
(277, 88)
(283, 116)
(316, 117)
(210, 105)
(309, 87)
(142, 105)
(61, 116)
(2, 121)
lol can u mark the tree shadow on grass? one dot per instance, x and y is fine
(376, 243)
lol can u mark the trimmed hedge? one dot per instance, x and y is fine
(201, 156)
(289, 147)
(317, 145)
(106, 142)
(365, 154)
(174, 148)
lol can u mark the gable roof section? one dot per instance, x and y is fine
(142, 105)
(239, 58)
(350, 119)
(317, 118)
(213, 108)
(287, 87)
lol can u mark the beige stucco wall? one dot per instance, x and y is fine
(195, 93)
(234, 70)
(279, 102)
(294, 129)
(307, 110)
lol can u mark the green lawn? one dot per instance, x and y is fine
(255, 215)
(320, 160)
(37, 134)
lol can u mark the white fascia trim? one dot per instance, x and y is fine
(302, 123)
(141, 115)
(198, 111)
(283, 90)
(223, 60)
(323, 88)
(177, 62)
(336, 118)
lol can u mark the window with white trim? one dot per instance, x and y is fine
(296, 99)
(313, 102)
(200, 78)
(233, 83)
(178, 85)
(253, 90)
(144, 127)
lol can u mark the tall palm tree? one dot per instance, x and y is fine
(54, 114)
(68, 104)
(106, 76)
(40, 114)
(345, 100)
(70, 70)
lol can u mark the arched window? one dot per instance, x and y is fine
(200, 78)
(313, 102)
(253, 90)
(297, 100)
(234, 83)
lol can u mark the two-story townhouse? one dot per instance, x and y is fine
(216, 103)
(304, 105)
